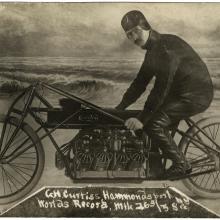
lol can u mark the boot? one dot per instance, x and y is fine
(180, 165)
(178, 169)
(158, 130)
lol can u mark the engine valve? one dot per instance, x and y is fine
(85, 160)
(122, 160)
(102, 160)
(136, 161)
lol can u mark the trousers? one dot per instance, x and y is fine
(157, 127)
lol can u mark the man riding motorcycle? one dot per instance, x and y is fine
(182, 87)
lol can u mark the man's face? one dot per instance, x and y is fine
(138, 36)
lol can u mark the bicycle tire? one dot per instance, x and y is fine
(40, 157)
(206, 124)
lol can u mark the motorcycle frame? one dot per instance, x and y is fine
(32, 89)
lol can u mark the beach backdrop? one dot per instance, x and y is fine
(81, 48)
(101, 81)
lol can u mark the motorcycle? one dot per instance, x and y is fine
(102, 149)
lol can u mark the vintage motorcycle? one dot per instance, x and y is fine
(102, 149)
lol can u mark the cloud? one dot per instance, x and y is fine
(93, 29)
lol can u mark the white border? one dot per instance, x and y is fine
(192, 200)
(114, 1)
(90, 186)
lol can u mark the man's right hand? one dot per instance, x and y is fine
(133, 124)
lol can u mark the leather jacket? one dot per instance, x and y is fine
(179, 73)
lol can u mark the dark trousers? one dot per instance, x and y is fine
(158, 126)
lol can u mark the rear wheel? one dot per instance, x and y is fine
(203, 159)
(21, 160)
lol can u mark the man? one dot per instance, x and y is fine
(182, 87)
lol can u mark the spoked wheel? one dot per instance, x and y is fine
(202, 159)
(21, 160)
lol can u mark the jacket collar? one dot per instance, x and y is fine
(153, 38)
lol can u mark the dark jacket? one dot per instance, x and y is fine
(179, 71)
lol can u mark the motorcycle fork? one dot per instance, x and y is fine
(23, 115)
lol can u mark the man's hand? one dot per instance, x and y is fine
(133, 124)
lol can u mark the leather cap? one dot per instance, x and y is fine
(133, 19)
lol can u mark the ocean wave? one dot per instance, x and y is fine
(11, 86)
(33, 77)
(87, 87)
(114, 73)
(113, 76)
(58, 70)
(81, 87)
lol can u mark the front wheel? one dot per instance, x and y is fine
(22, 159)
(203, 159)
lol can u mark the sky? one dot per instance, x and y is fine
(93, 29)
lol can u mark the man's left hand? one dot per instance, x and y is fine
(133, 124)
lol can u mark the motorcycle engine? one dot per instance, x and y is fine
(107, 153)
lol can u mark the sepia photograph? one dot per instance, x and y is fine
(109, 109)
